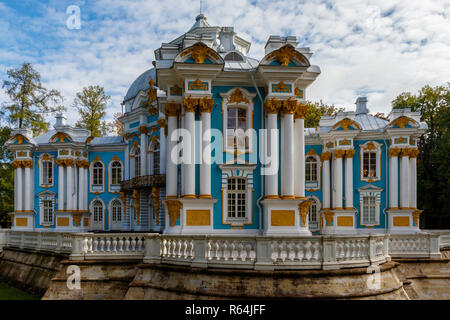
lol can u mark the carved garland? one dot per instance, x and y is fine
(304, 209)
(173, 208)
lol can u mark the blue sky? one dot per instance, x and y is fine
(373, 48)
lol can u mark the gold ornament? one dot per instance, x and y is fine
(172, 109)
(190, 104)
(237, 97)
(346, 123)
(173, 208)
(206, 104)
(304, 209)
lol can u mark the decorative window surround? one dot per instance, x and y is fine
(100, 188)
(113, 188)
(371, 146)
(237, 171)
(313, 185)
(370, 191)
(115, 207)
(238, 98)
(46, 158)
(43, 197)
(314, 225)
(97, 225)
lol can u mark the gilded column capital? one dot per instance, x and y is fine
(161, 122)
(172, 109)
(61, 162)
(190, 104)
(394, 152)
(405, 152)
(143, 129)
(413, 153)
(325, 156)
(339, 153)
(272, 106)
(206, 105)
(126, 136)
(301, 111)
(69, 162)
(350, 153)
(289, 106)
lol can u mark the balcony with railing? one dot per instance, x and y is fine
(155, 180)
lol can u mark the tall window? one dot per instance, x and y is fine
(311, 169)
(116, 172)
(237, 197)
(48, 211)
(237, 120)
(47, 176)
(137, 162)
(369, 210)
(369, 164)
(97, 173)
(313, 216)
(98, 211)
(116, 211)
(156, 159)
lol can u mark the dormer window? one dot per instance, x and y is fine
(233, 56)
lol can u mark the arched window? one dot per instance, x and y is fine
(311, 169)
(237, 197)
(233, 56)
(116, 173)
(313, 214)
(156, 158)
(97, 173)
(137, 162)
(116, 208)
(97, 208)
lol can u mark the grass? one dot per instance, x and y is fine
(9, 293)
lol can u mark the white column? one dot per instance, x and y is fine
(272, 180)
(28, 186)
(127, 162)
(16, 189)
(325, 158)
(162, 147)
(338, 182)
(404, 178)
(189, 175)
(85, 189)
(393, 178)
(143, 150)
(70, 184)
(413, 178)
(81, 186)
(300, 158)
(288, 156)
(171, 111)
(61, 188)
(19, 192)
(205, 168)
(349, 178)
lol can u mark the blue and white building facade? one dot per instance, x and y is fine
(354, 173)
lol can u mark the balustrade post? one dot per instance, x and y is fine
(386, 247)
(22, 240)
(39, 241)
(200, 245)
(372, 249)
(78, 251)
(2, 239)
(435, 246)
(152, 249)
(264, 254)
(329, 254)
(58, 242)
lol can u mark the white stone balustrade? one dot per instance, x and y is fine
(420, 245)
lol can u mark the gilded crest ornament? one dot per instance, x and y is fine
(346, 123)
(237, 97)
(199, 52)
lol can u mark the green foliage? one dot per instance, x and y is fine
(6, 179)
(433, 166)
(316, 110)
(29, 100)
(91, 104)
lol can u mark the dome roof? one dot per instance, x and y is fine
(141, 83)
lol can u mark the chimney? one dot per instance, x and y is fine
(361, 105)
(60, 120)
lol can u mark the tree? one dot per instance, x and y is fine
(6, 179)
(116, 127)
(29, 100)
(91, 104)
(433, 163)
(316, 110)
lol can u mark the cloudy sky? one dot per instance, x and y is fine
(373, 48)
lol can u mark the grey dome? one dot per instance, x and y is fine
(141, 83)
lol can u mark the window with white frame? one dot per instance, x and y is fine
(116, 209)
(97, 209)
(311, 169)
(97, 174)
(46, 208)
(46, 171)
(369, 204)
(371, 161)
(156, 158)
(137, 162)
(236, 127)
(237, 197)
(116, 173)
(48, 211)
(368, 210)
(313, 214)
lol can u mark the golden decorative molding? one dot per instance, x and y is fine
(303, 208)
(143, 129)
(152, 92)
(21, 222)
(77, 219)
(281, 87)
(285, 54)
(20, 138)
(400, 221)
(346, 123)
(82, 164)
(413, 153)
(394, 152)
(206, 104)
(311, 152)
(402, 121)
(89, 139)
(370, 146)
(199, 52)
(344, 221)
(339, 153)
(237, 97)
(325, 156)
(198, 217)
(272, 106)
(156, 206)
(190, 104)
(172, 109)
(60, 137)
(350, 153)
(301, 111)
(22, 164)
(161, 122)
(62, 222)
(289, 106)
(173, 208)
(405, 152)
(126, 136)
(328, 217)
(176, 91)
(136, 196)
(282, 218)
(416, 215)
